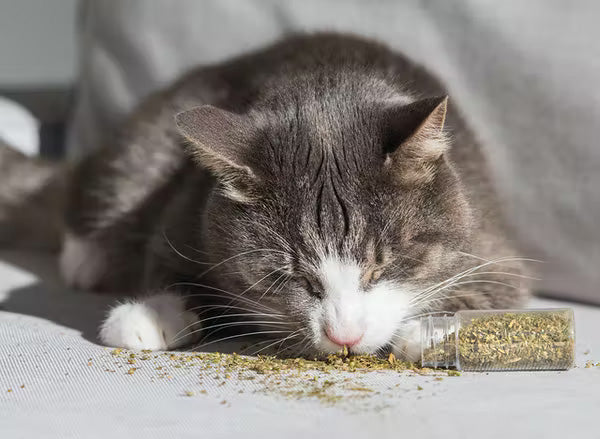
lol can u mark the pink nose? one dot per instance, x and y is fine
(343, 340)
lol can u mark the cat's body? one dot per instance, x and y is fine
(337, 210)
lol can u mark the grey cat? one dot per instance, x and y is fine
(320, 192)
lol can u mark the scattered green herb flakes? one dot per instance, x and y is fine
(331, 380)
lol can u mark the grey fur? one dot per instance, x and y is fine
(316, 144)
(31, 201)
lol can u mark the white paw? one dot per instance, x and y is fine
(82, 262)
(408, 346)
(158, 322)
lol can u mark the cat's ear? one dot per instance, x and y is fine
(218, 140)
(416, 139)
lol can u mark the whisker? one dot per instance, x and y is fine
(489, 260)
(217, 306)
(239, 297)
(423, 315)
(181, 254)
(238, 336)
(289, 348)
(199, 322)
(305, 347)
(233, 324)
(261, 279)
(281, 285)
(478, 273)
(504, 273)
(197, 250)
(292, 335)
(451, 296)
(239, 255)
(487, 282)
(462, 274)
(256, 283)
(273, 233)
(254, 344)
(463, 283)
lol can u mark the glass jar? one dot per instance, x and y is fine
(495, 340)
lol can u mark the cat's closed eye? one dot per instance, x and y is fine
(371, 276)
(375, 275)
(311, 287)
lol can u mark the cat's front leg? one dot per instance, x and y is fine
(83, 263)
(407, 344)
(156, 322)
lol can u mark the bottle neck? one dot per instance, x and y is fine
(439, 342)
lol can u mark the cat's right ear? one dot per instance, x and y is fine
(218, 140)
(416, 139)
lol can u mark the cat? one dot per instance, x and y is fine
(321, 192)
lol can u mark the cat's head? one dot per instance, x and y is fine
(334, 220)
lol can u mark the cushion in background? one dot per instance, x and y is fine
(525, 73)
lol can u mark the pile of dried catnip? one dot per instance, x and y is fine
(330, 381)
(526, 341)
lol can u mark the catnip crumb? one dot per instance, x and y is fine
(361, 389)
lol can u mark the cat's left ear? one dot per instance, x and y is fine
(218, 141)
(416, 139)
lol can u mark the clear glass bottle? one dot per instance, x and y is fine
(495, 340)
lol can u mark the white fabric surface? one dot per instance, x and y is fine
(525, 73)
(47, 340)
(18, 127)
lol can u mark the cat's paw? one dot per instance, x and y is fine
(408, 346)
(82, 262)
(158, 322)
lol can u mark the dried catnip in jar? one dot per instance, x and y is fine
(496, 340)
